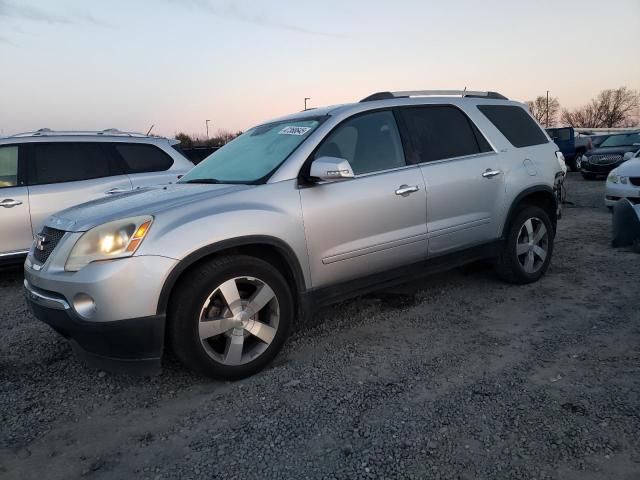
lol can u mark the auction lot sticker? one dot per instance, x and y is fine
(294, 130)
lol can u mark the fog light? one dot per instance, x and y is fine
(84, 305)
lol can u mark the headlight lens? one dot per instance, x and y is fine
(613, 177)
(105, 242)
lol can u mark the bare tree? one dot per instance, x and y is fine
(538, 109)
(611, 108)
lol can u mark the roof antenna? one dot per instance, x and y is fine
(150, 129)
(464, 92)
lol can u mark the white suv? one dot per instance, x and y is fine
(45, 171)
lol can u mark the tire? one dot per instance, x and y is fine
(235, 338)
(516, 268)
(588, 176)
(573, 164)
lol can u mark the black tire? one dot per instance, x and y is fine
(588, 176)
(573, 164)
(191, 295)
(508, 266)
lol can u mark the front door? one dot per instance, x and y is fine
(373, 222)
(15, 225)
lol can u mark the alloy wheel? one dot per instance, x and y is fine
(532, 245)
(239, 320)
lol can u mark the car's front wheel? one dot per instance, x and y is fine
(230, 316)
(528, 246)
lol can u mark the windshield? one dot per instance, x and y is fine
(254, 155)
(621, 140)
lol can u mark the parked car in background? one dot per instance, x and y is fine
(293, 214)
(196, 154)
(624, 182)
(46, 171)
(571, 145)
(610, 154)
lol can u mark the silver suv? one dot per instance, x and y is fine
(45, 171)
(294, 214)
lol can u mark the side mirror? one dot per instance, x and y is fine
(627, 156)
(331, 169)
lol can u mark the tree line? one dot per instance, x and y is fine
(609, 109)
(221, 137)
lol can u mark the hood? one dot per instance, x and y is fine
(630, 168)
(612, 150)
(148, 201)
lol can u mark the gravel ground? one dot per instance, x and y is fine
(456, 376)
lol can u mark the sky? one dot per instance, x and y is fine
(130, 64)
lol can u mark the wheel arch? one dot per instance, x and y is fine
(270, 249)
(541, 195)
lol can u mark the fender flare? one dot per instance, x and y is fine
(252, 240)
(528, 191)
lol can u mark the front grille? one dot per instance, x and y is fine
(604, 159)
(46, 241)
(635, 181)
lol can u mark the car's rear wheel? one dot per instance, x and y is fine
(528, 246)
(230, 316)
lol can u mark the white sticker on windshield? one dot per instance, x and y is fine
(294, 130)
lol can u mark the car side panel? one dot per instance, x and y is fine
(45, 200)
(15, 225)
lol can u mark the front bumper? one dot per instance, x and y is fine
(616, 191)
(125, 346)
(109, 310)
(597, 169)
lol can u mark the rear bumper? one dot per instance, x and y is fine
(131, 346)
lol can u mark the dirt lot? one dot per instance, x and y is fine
(457, 376)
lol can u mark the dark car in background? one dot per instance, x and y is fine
(613, 151)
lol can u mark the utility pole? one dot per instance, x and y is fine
(547, 108)
(207, 125)
(305, 102)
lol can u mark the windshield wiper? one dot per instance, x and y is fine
(203, 180)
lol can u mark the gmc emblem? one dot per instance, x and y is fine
(41, 241)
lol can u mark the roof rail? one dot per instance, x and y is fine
(109, 132)
(433, 93)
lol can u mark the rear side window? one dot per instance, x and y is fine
(515, 124)
(440, 132)
(68, 162)
(140, 158)
(8, 166)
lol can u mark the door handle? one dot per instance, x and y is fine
(406, 190)
(115, 191)
(10, 203)
(488, 173)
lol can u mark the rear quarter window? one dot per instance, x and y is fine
(141, 158)
(515, 124)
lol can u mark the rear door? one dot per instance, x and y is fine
(462, 173)
(64, 174)
(15, 224)
(146, 164)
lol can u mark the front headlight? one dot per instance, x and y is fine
(613, 176)
(105, 242)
